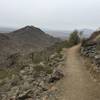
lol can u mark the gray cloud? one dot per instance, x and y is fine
(51, 14)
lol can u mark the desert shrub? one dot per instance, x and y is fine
(84, 42)
(74, 38)
(3, 82)
(59, 46)
(42, 69)
(3, 73)
(44, 55)
(48, 70)
(38, 68)
(37, 57)
(98, 47)
(8, 72)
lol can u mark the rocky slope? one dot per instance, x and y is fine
(91, 49)
(31, 37)
(24, 40)
(94, 35)
(29, 64)
(30, 77)
(28, 38)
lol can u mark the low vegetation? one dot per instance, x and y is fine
(33, 71)
(74, 38)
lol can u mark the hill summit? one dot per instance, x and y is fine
(26, 39)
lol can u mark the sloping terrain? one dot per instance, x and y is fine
(94, 35)
(6, 29)
(97, 38)
(90, 49)
(6, 46)
(77, 83)
(31, 37)
(24, 40)
(31, 77)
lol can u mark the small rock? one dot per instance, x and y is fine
(57, 75)
(24, 95)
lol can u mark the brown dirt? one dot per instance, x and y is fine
(77, 83)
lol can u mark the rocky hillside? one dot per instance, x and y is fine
(6, 46)
(91, 49)
(31, 37)
(94, 35)
(31, 76)
(28, 38)
(24, 40)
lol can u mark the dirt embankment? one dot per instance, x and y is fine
(77, 83)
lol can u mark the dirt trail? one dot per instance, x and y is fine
(77, 83)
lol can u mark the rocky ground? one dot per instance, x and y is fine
(32, 81)
(77, 83)
(91, 53)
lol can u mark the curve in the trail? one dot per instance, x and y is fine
(77, 83)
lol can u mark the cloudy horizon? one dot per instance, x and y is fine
(50, 14)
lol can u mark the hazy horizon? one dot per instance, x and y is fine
(50, 14)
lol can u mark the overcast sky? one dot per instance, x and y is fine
(50, 14)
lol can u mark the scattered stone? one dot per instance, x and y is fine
(30, 84)
(91, 51)
(24, 95)
(57, 75)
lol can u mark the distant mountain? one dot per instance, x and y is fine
(95, 35)
(6, 29)
(58, 33)
(86, 32)
(27, 39)
(31, 36)
(65, 34)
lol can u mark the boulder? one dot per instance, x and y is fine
(24, 95)
(57, 75)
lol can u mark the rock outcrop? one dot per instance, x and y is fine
(90, 49)
(24, 40)
(33, 81)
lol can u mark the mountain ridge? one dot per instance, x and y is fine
(25, 40)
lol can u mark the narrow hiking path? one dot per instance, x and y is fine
(77, 83)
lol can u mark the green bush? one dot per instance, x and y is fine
(74, 38)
